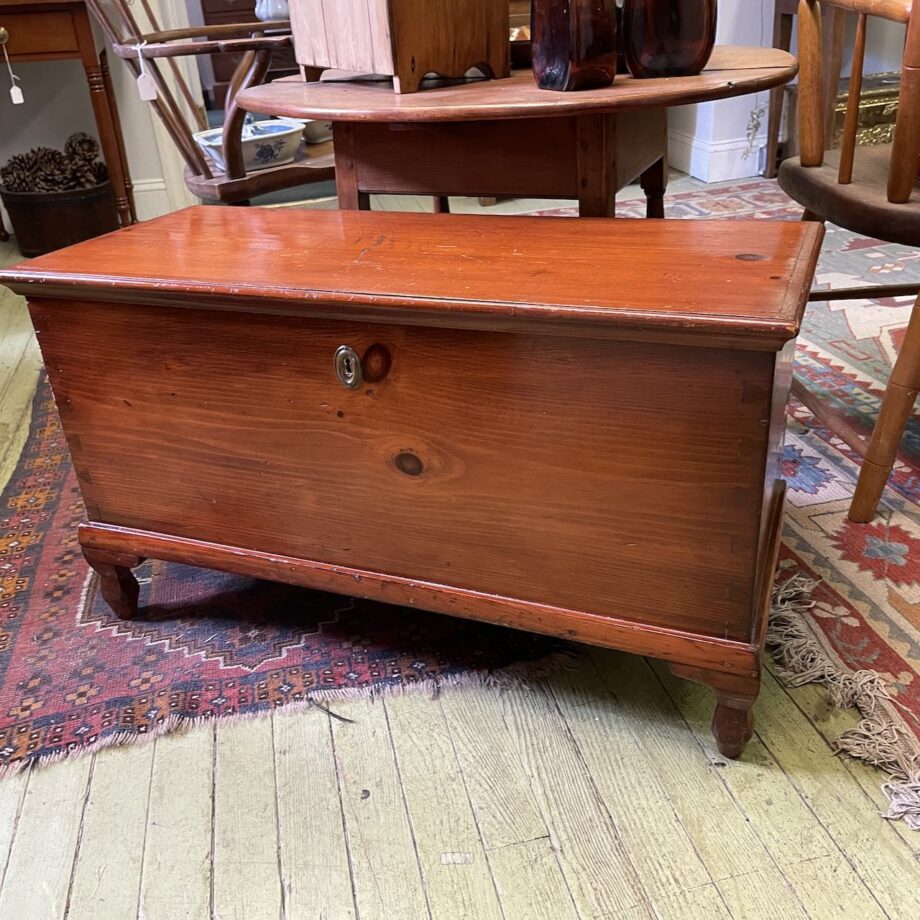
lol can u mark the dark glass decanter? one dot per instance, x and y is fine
(668, 38)
(573, 43)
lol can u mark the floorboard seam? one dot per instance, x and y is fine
(339, 785)
(469, 802)
(402, 792)
(79, 842)
(731, 795)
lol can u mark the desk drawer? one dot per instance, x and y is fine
(620, 478)
(40, 34)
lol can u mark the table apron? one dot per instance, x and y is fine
(534, 158)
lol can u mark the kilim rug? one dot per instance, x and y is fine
(858, 631)
(74, 678)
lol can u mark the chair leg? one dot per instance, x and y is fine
(897, 407)
(782, 38)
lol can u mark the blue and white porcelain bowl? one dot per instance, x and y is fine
(273, 142)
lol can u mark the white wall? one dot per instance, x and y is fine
(710, 141)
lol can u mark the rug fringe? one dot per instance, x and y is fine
(878, 739)
(514, 676)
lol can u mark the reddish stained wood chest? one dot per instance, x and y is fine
(567, 426)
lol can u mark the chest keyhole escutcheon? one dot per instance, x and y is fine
(348, 367)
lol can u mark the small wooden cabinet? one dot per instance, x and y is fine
(405, 39)
(571, 427)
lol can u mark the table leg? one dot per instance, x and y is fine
(119, 137)
(346, 171)
(596, 165)
(654, 182)
(105, 122)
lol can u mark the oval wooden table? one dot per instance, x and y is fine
(506, 137)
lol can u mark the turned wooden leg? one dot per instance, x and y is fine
(119, 137)
(117, 583)
(897, 408)
(732, 723)
(654, 182)
(733, 720)
(108, 140)
(782, 38)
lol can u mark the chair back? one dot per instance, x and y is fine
(905, 153)
(123, 30)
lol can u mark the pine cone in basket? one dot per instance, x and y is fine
(82, 174)
(100, 173)
(81, 146)
(18, 175)
(44, 169)
(52, 171)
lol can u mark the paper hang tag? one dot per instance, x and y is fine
(146, 87)
(15, 91)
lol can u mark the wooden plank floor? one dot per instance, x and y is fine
(593, 794)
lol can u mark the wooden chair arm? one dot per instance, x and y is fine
(226, 30)
(895, 10)
(194, 48)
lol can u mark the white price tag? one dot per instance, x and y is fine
(146, 88)
(15, 91)
(146, 85)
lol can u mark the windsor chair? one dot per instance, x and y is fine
(870, 191)
(834, 28)
(256, 42)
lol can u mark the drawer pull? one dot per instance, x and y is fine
(348, 367)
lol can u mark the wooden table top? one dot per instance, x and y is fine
(732, 71)
(743, 280)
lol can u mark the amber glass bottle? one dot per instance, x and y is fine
(668, 38)
(573, 43)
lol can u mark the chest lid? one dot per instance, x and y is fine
(734, 283)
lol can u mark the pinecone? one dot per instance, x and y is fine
(44, 169)
(82, 174)
(52, 170)
(82, 147)
(18, 175)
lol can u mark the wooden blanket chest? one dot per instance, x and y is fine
(566, 426)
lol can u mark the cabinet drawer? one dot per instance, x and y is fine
(38, 34)
(611, 477)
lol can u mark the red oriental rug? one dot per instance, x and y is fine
(74, 678)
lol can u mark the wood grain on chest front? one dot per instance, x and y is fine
(621, 478)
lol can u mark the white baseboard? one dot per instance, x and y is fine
(151, 198)
(715, 161)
